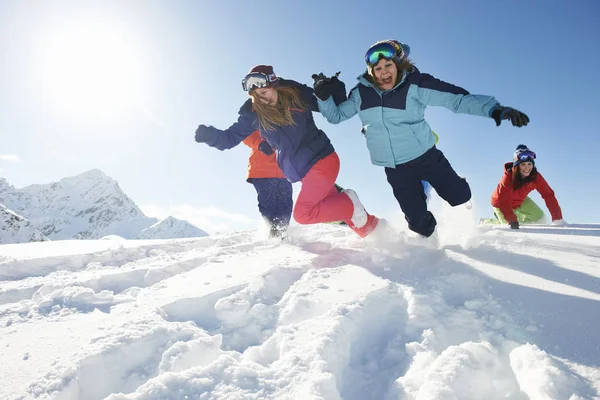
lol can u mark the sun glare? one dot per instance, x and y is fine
(91, 70)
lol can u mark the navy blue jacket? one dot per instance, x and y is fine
(298, 147)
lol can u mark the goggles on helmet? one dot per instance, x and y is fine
(525, 155)
(383, 50)
(256, 80)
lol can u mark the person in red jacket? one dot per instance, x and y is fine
(510, 201)
(274, 191)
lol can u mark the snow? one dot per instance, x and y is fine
(171, 228)
(486, 313)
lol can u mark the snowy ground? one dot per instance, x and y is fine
(489, 314)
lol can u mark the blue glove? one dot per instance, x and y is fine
(266, 148)
(517, 118)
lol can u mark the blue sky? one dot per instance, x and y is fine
(122, 86)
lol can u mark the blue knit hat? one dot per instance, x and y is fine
(523, 154)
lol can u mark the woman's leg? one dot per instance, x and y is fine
(318, 200)
(284, 202)
(409, 193)
(267, 198)
(436, 169)
(274, 203)
(493, 221)
(500, 216)
(529, 212)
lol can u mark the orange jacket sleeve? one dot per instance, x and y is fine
(548, 195)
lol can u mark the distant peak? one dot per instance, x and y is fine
(93, 178)
(93, 173)
(4, 184)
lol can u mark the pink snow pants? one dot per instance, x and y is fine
(318, 200)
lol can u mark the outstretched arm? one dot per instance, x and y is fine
(339, 113)
(228, 138)
(434, 92)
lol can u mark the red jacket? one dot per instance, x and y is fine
(507, 199)
(261, 165)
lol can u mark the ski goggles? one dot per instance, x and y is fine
(382, 50)
(257, 80)
(526, 155)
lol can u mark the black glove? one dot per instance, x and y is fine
(202, 132)
(326, 87)
(517, 118)
(339, 93)
(322, 85)
(514, 225)
(266, 148)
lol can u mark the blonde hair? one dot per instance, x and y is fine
(280, 114)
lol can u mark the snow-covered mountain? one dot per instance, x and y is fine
(87, 206)
(15, 228)
(8, 193)
(171, 228)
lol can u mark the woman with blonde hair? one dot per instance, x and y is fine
(281, 110)
(391, 97)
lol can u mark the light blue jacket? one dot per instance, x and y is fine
(394, 121)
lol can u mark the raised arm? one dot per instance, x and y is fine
(339, 113)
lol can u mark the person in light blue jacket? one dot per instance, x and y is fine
(390, 99)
